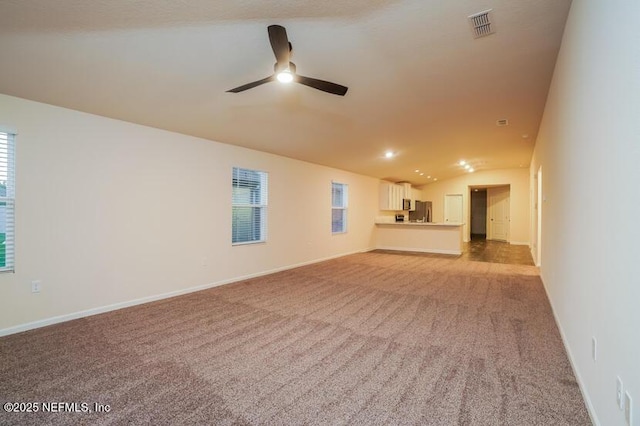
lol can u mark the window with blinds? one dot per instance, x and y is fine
(7, 200)
(249, 205)
(339, 198)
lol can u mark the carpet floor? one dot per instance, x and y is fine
(371, 338)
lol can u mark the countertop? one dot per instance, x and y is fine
(420, 223)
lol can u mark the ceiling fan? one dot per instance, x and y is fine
(285, 71)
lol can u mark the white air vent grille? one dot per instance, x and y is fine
(502, 122)
(481, 24)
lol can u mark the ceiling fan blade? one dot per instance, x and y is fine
(280, 45)
(325, 86)
(252, 85)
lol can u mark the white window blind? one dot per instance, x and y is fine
(7, 200)
(339, 198)
(249, 201)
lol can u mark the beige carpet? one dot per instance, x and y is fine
(372, 338)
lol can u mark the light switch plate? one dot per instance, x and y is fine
(628, 405)
(619, 394)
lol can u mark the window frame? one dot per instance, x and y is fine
(342, 207)
(257, 203)
(8, 196)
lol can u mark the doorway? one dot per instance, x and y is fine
(478, 209)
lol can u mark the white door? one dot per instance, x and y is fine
(498, 201)
(453, 208)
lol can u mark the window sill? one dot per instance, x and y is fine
(246, 243)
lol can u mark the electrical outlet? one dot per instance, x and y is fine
(36, 286)
(628, 405)
(594, 348)
(619, 393)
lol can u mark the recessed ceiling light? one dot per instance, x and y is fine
(435, 179)
(428, 177)
(462, 162)
(389, 154)
(471, 170)
(421, 174)
(417, 171)
(467, 167)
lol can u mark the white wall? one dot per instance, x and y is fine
(517, 179)
(589, 149)
(110, 212)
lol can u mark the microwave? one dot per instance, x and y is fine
(406, 204)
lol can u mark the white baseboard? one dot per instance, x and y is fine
(102, 309)
(590, 409)
(533, 256)
(515, 243)
(434, 251)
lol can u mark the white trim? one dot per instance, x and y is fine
(108, 308)
(421, 250)
(585, 396)
(245, 243)
(8, 129)
(520, 243)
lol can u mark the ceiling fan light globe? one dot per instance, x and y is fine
(285, 76)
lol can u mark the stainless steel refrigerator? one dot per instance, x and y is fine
(422, 212)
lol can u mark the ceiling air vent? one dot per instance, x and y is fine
(481, 24)
(502, 122)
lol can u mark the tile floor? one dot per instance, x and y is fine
(480, 249)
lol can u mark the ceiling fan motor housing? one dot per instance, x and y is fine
(277, 69)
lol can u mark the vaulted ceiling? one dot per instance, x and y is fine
(419, 83)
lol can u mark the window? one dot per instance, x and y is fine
(339, 197)
(7, 199)
(249, 202)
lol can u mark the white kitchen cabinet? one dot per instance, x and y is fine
(406, 191)
(391, 196)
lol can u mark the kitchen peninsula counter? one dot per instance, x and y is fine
(427, 237)
(419, 224)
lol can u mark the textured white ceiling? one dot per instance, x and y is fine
(419, 83)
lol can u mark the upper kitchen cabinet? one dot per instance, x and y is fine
(406, 190)
(391, 196)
